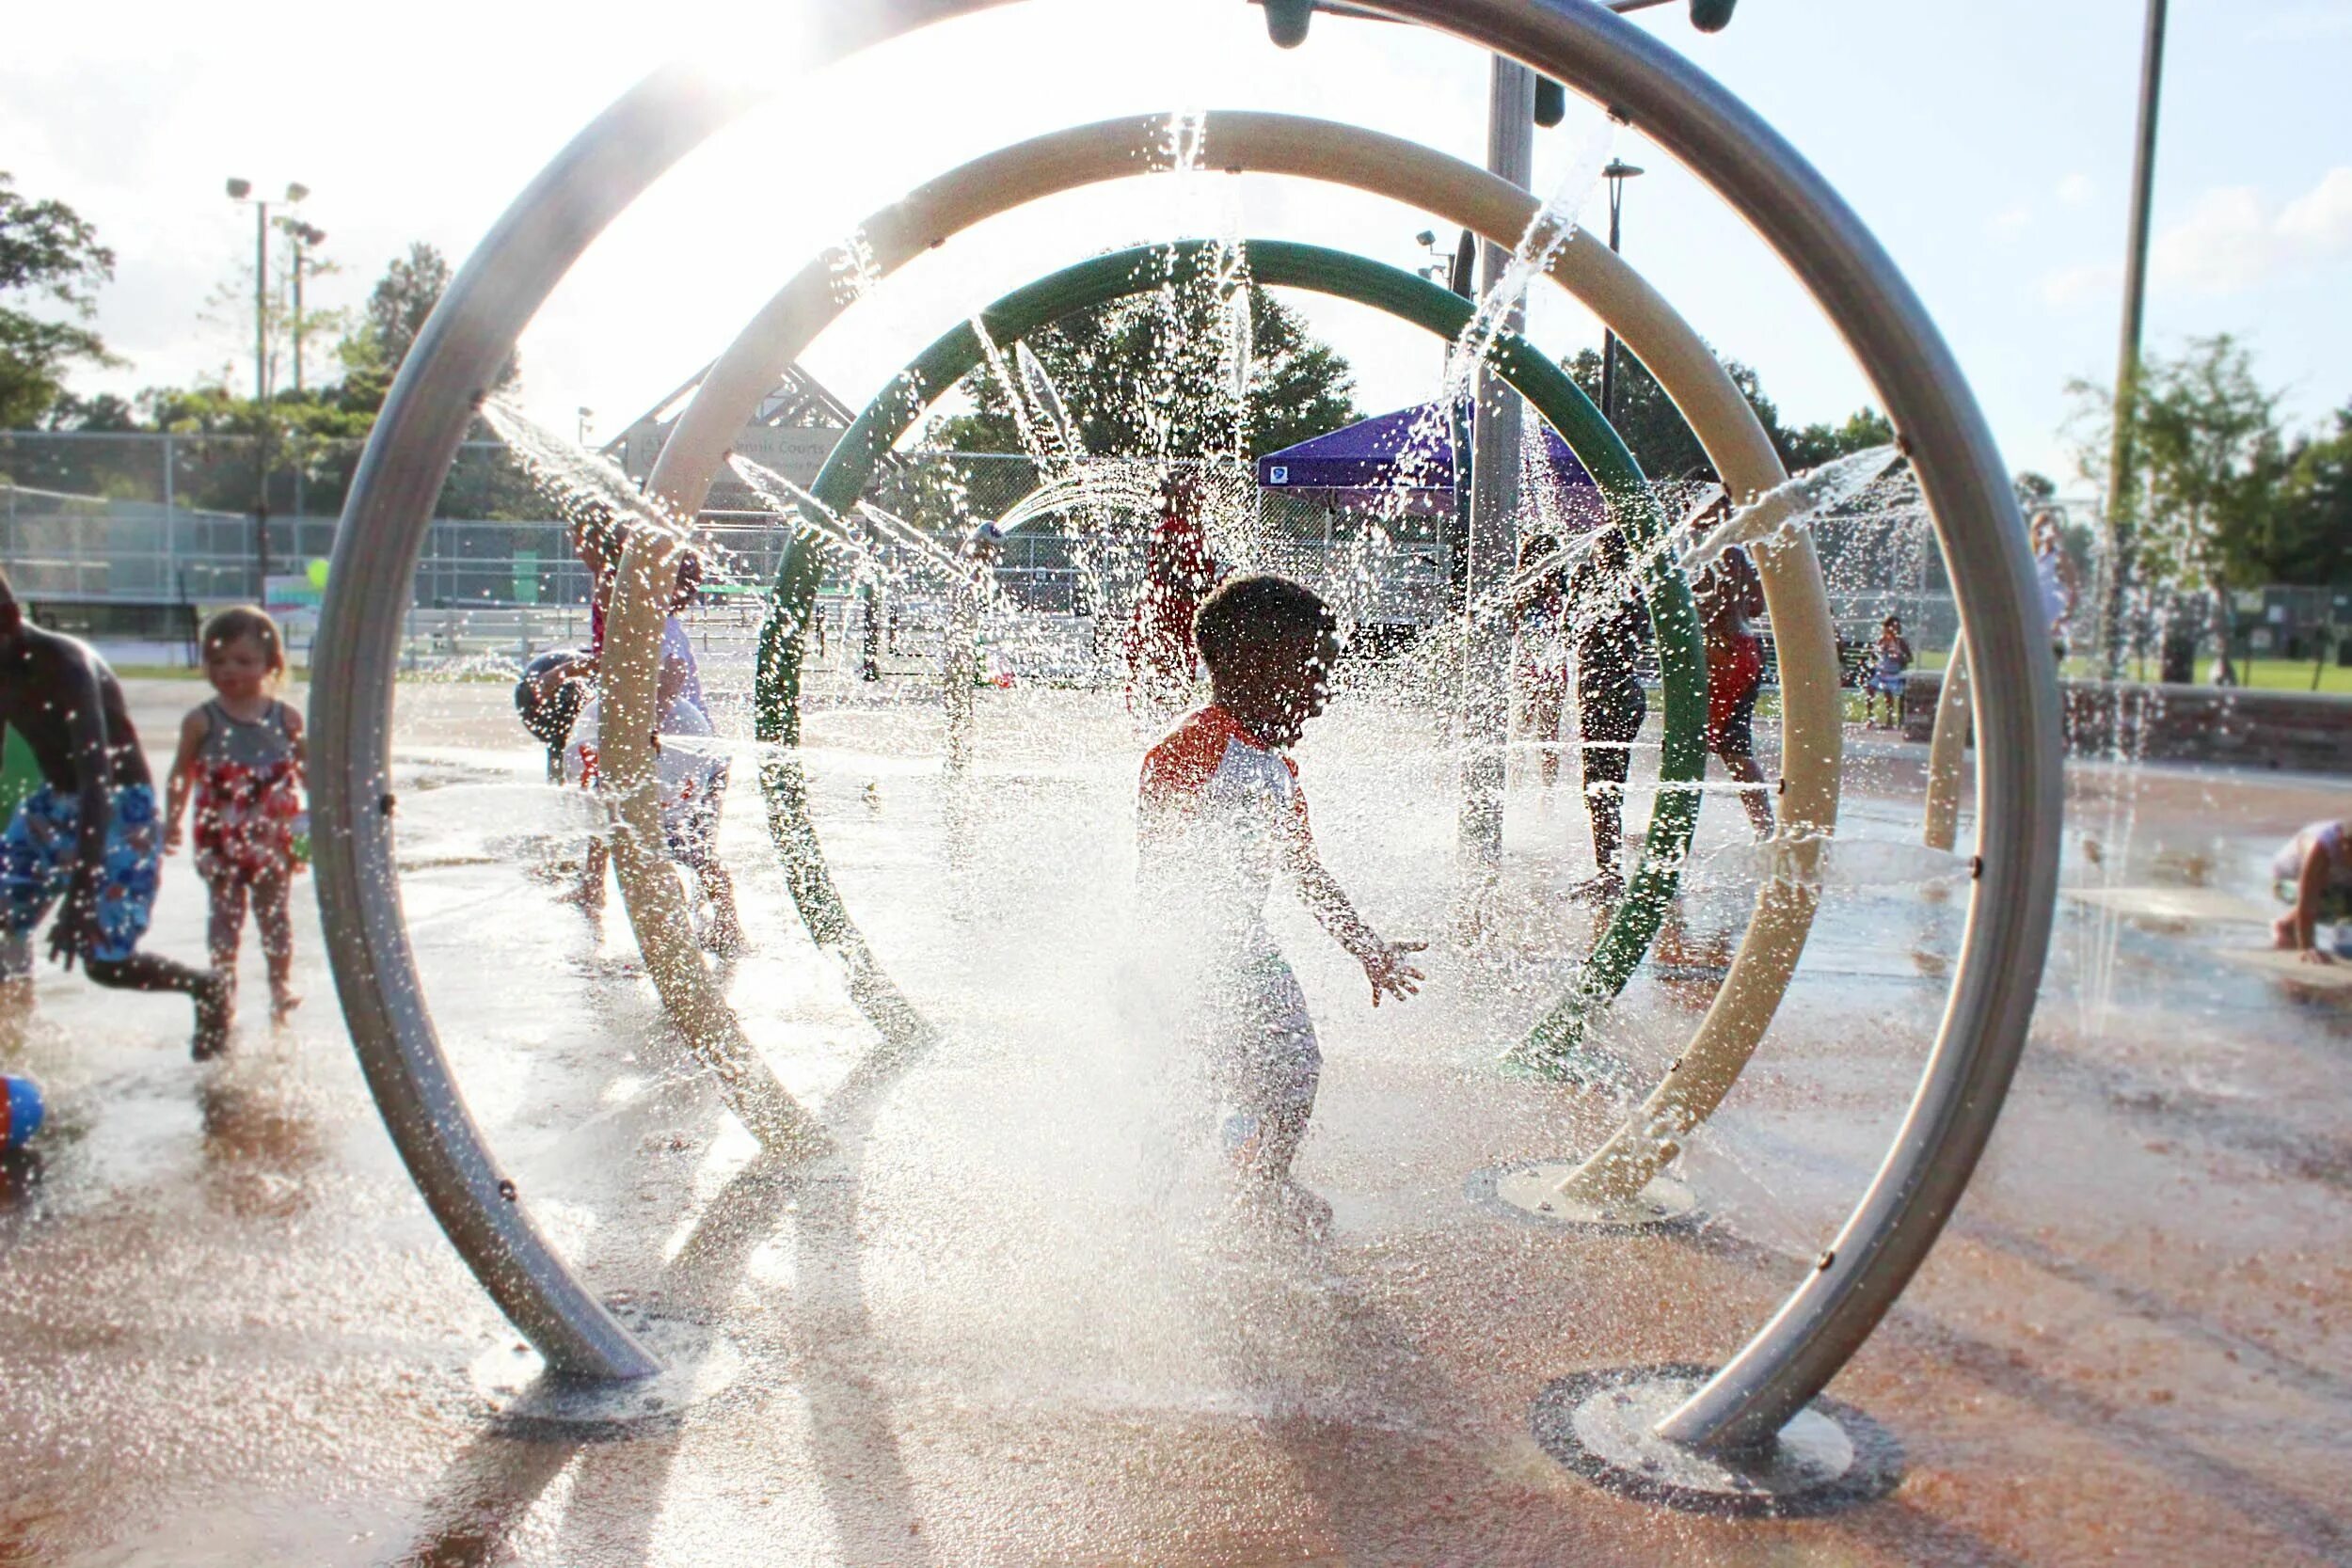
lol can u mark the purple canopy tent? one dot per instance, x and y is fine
(1405, 460)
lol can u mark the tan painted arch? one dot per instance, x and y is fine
(1453, 191)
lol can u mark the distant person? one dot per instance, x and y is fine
(89, 839)
(549, 698)
(2312, 873)
(1729, 595)
(1219, 814)
(1540, 649)
(1612, 626)
(691, 776)
(1889, 673)
(241, 764)
(2055, 571)
(960, 648)
(1163, 660)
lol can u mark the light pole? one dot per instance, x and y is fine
(306, 238)
(587, 418)
(2122, 527)
(242, 191)
(1617, 173)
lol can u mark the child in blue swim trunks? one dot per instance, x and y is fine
(89, 840)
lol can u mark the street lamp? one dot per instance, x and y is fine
(1449, 267)
(242, 191)
(587, 416)
(1617, 173)
(306, 238)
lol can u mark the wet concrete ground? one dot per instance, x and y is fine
(988, 1333)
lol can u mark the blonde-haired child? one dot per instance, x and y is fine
(241, 760)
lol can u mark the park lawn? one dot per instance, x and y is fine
(2266, 675)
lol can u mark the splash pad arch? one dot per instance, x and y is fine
(1742, 1419)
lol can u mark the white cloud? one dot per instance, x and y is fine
(2321, 218)
(2009, 224)
(2321, 19)
(2072, 285)
(2233, 240)
(2076, 189)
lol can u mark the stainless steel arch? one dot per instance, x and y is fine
(1460, 193)
(1577, 41)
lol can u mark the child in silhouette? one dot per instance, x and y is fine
(1888, 675)
(1219, 815)
(89, 839)
(241, 763)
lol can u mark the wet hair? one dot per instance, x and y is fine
(690, 580)
(1894, 620)
(1245, 613)
(548, 720)
(227, 625)
(1535, 547)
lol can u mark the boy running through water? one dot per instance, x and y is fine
(1219, 814)
(90, 839)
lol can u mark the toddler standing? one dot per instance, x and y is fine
(241, 760)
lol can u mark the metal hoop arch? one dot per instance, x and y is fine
(1793, 1357)
(1459, 192)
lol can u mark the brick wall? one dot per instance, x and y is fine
(2308, 731)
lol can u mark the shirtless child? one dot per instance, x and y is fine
(1729, 595)
(1219, 814)
(90, 839)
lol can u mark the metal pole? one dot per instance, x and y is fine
(1484, 702)
(1609, 339)
(296, 236)
(260, 400)
(2122, 525)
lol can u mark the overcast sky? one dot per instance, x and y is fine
(1987, 142)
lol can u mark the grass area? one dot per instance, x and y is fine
(2266, 675)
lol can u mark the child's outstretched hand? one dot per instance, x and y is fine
(1388, 967)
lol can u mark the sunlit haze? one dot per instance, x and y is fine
(1988, 146)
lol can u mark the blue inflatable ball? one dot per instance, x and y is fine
(21, 1112)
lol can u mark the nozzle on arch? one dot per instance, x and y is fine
(1552, 103)
(1286, 22)
(1711, 16)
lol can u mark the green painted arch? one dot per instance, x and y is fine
(1553, 1045)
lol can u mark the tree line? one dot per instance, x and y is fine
(2224, 494)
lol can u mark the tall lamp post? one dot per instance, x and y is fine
(2121, 526)
(305, 238)
(242, 191)
(1617, 173)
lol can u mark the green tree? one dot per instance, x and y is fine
(1817, 444)
(48, 252)
(1141, 376)
(1662, 442)
(2211, 460)
(394, 314)
(2311, 541)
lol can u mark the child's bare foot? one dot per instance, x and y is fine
(283, 1002)
(215, 1010)
(586, 899)
(2283, 931)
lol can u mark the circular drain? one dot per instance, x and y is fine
(1531, 1191)
(698, 1362)
(1601, 1425)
